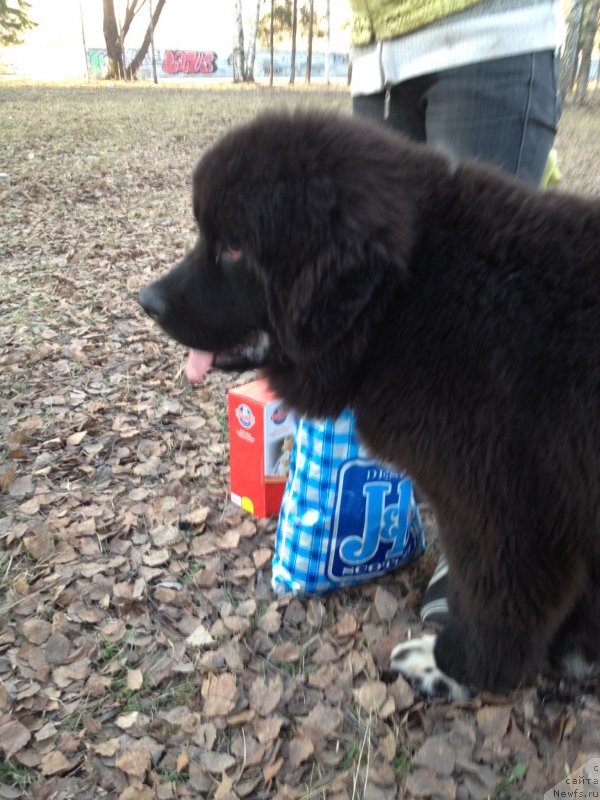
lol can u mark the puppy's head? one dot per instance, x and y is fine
(301, 237)
(213, 303)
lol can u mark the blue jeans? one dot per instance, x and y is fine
(503, 111)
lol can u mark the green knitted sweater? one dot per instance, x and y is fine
(385, 19)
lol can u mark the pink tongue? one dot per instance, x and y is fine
(198, 364)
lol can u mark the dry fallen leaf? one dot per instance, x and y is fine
(437, 755)
(7, 476)
(300, 750)
(216, 762)
(165, 536)
(200, 637)
(271, 770)
(371, 695)
(183, 761)
(286, 652)
(493, 720)
(76, 438)
(402, 693)
(40, 545)
(13, 736)
(108, 748)
(224, 789)
(267, 730)
(325, 719)
(219, 693)
(270, 621)
(113, 631)
(198, 517)
(135, 679)
(135, 762)
(324, 677)
(37, 631)
(55, 763)
(347, 626)
(78, 671)
(262, 557)
(132, 720)
(21, 487)
(386, 604)
(424, 783)
(265, 697)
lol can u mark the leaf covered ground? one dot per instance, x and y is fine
(142, 653)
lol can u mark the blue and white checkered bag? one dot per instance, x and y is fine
(344, 518)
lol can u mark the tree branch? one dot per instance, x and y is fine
(132, 69)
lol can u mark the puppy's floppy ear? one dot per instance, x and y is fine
(321, 301)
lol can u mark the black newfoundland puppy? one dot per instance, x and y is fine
(458, 313)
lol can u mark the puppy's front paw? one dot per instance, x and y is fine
(415, 660)
(576, 666)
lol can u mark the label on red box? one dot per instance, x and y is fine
(261, 435)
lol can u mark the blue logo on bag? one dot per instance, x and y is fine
(374, 528)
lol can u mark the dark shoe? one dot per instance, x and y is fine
(435, 600)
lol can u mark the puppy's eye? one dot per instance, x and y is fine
(227, 256)
(234, 253)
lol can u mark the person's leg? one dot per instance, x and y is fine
(401, 108)
(503, 112)
(371, 106)
(434, 607)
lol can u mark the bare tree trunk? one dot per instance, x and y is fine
(328, 49)
(114, 44)
(131, 9)
(87, 65)
(568, 65)
(588, 34)
(132, 69)
(239, 67)
(294, 37)
(251, 54)
(271, 42)
(311, 18)
(115, 38)
(154, 75)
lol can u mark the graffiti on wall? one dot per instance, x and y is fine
(209, 64)
(282, 62)
(190, 62)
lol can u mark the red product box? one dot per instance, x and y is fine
(261, 434)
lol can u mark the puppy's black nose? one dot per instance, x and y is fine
(152, 301)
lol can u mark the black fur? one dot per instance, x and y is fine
(458, 313)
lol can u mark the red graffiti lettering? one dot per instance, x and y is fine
(172, 61)
(208, 63)
(191, 62)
